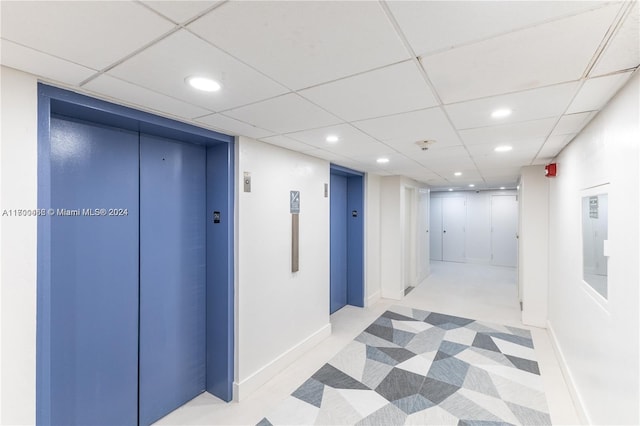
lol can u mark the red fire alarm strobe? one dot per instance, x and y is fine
(550, 170)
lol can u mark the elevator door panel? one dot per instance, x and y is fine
(172, 275)
(504, 230)
(339, 233)
(93, 360)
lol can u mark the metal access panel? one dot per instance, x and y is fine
(172, 275)
(93, 319)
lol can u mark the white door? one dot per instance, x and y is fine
(454, 214)
(409, 252)
(435, 229)
(504, 230)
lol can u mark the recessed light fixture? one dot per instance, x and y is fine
(501, 113)
(450, 189)
(203, 83)
(503, 148)
(332, 139)
(382, 160)
(457, 174)
(502, 187)
(471, 185)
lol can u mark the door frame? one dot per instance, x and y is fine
(355, 233)
(220, 241)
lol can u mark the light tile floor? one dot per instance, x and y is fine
(484, 293)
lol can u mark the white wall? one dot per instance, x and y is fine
(598, 340)
(18, 190)
(372, 238)
(478, 222)
(533, 244)
(18, 154)
(280, 314)
(392, 235)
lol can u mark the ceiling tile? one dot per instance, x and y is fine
(596, 92)
(504, 161)
(520, 148)
(535, 104)
(182, 55)
(436, 25)
(182, 10)
(546, 54)
(285, 142)
(390, 90)
(305, 43)
(121, 90)
(91, 33)
(572, 123)
(234, 127)
(508, 133)
(284, 114)
(38, 63)
(623, 51)
(396, 162)
(411, 127)
(352, 142)
(554, 145)
(491, 173)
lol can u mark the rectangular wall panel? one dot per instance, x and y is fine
(94, 275)
(172, 275)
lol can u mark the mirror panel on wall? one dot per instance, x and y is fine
(594, 242)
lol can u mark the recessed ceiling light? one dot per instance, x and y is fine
(332, 139)
(203, 83)
(501, 113)
(503, 148)
(471, 185)
(450, 189)
(457, 174)
(502, 187)
(382, 160)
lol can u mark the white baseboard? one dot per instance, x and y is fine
(266, 373)
(568, 377)
(371, 300)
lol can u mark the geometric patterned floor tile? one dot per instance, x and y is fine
(417, 367)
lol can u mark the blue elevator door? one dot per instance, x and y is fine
(172, 275)
(94, 275)
(338, 215)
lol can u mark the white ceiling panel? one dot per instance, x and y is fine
(285, 142)
(546, 54)
(352, 142)
(234, 127)
(623, 52)
(508, 133)
(117, 89)
(449, 165)
(529, 105)
(554, 145)
(284, 114)
(91, 33)
(304, 43)
(182, 10)
(23, 58)
(572, 123)
(396, 162)
(411, 127)
(390, 90)
(504, 161)
(164, 67)
(596, 92)
(492, 173)
(521, 148)
(436, 25)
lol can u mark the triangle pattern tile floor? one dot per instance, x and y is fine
(417, 367)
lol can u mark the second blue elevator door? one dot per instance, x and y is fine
(172, 275)
(339, 253)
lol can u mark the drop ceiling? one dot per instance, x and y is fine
(380, 76)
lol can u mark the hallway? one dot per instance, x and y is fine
(481, 292)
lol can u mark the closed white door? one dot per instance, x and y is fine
(454, 214)
(435, 229)
(504, 230)
(422, 253)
